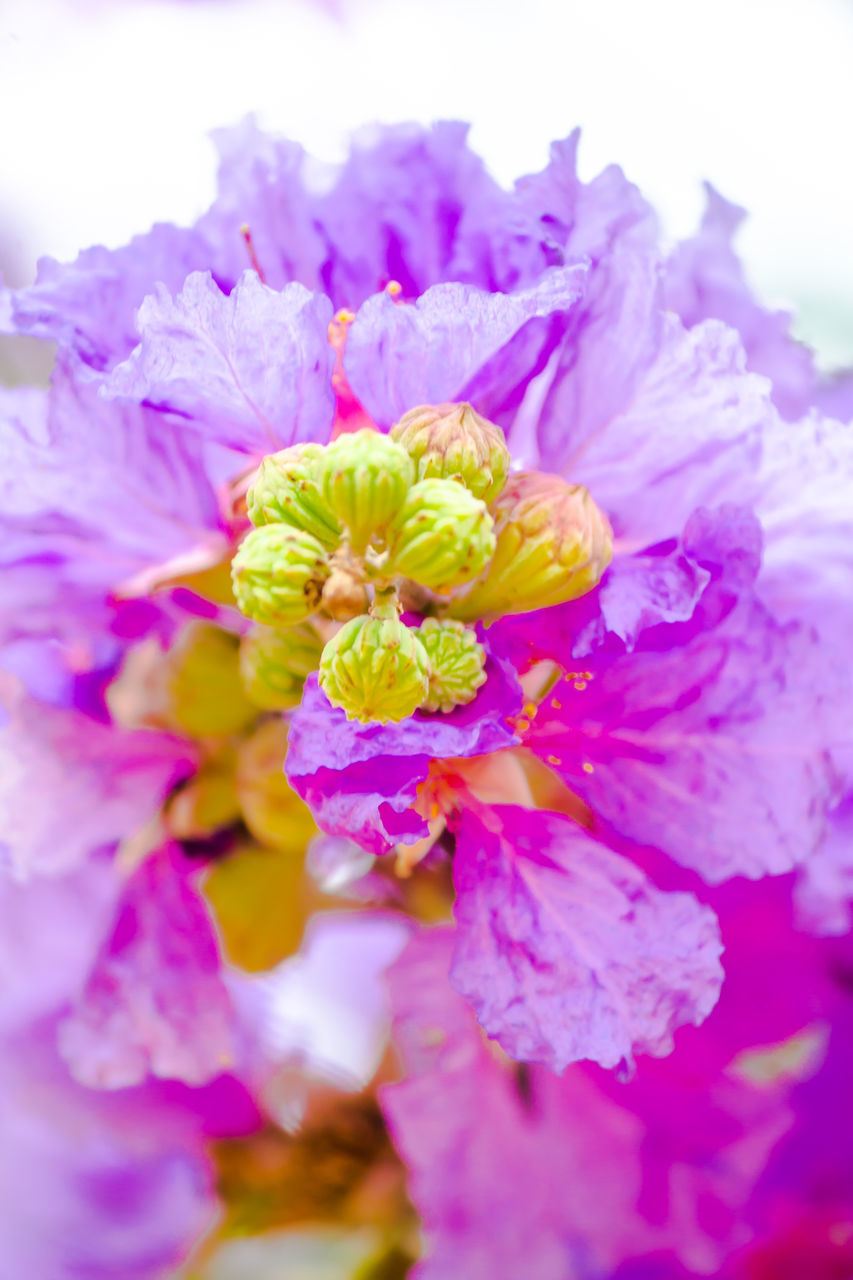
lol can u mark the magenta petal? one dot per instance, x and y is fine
(250, 370)
(69, 785)
(360, 780)
(567, 951)
(154, 1002)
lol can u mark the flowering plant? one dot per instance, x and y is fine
(454, 558)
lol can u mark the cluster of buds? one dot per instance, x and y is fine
(428, 512)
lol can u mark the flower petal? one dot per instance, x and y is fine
(440, 348)
(360, 780)
(154, 1002)
(566, 951)
(250, 370)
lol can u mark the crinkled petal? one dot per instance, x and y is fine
(705, 280)
(403, 354)
(689, 436)
(154, 1003)
(518, 1172)
(250, 370)
(90, 304)
(411, 204)
(566, 951)
(607, 347)
(360, 780)
(501, 1185)
(713, 750)
(94, 494)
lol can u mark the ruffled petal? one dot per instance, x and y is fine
(705, 280)
(566, 951)
(455, 343)
(250, 370)
(688, 436)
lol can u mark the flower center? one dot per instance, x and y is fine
(427, 520)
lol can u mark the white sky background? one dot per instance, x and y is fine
(105, 106)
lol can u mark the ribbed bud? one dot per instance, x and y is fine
(441, 537)
(553, 545)
(285, 491)
(201, 693)
(456, 663)
(375, 668)
(364, 477)
(272, 810)
(454, 442)
(278, 574)
(275, 661)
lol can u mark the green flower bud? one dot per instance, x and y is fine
(441, 536)
(278, 574)
(454, 442)
(364, 477)
(553, 545)
(285, 491)
(456, 661)
(375, 668)
(201, 692)
(274, 663)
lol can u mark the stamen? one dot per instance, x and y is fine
(245, 232)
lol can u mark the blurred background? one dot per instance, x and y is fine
(106, 107)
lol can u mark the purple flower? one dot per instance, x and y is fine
(590, 815)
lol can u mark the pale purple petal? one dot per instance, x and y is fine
(103, 489)
(567, 951)
(360, 780)
(250, 370)
(90, 1190)
(50, 930)
(705, 280)
(90, 304)
(835, 396)
(410, 204)
(609, 344)
(805, 508)
(154, 1003)
(690, 437)
(403, 354)
(263, 184)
